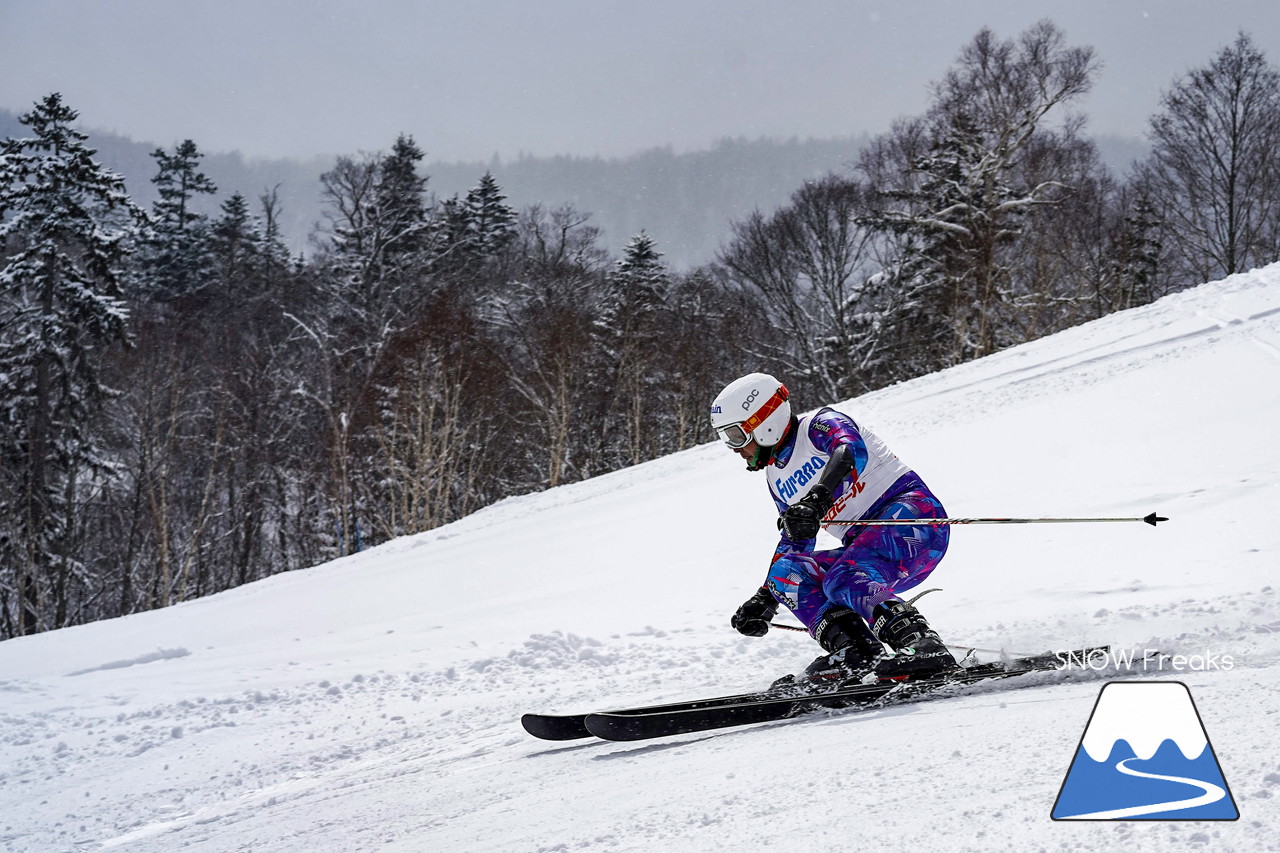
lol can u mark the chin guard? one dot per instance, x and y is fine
(764, 455)
(760, 460)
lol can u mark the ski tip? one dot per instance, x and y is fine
(549, 727)
(1154, 519)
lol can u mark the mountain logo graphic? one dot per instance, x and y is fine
(1145, 756)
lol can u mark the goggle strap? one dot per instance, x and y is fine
(770, 406)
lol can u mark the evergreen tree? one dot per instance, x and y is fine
(248, 264)
(380, 229)
(1135, 254)
(947, 211)
(178, 181)
(641, 279)
(400, 214)
(236, 247)
(377, 283)
(626, 337)
(177, 258)
(475, 231)
(64, 220)
(401, 195)
(491, 222)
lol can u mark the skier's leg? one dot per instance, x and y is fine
(852, 649)
(883, 561)
(796, 581)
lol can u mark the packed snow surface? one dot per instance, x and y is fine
(373, 703)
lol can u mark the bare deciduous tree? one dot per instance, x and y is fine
(808, 262)
(1214, 172)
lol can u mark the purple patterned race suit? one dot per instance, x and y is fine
(874, 563)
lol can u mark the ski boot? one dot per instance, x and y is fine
(852, 653)
(920, 652)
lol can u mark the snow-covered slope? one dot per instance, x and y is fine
(373, 703)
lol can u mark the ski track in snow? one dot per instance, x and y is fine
(374, 703)
(448, 729)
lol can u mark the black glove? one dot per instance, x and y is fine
(803, 520)
(753, 616)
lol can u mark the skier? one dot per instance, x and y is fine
(821, 468)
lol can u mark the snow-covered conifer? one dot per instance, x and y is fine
(177, 258)
(64, 222)
(491, 222)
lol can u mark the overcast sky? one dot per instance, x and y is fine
(470, 78)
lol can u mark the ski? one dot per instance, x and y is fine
(770, 708)
(765, 706)
(574, 726)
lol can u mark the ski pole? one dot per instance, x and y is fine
(1151, 519)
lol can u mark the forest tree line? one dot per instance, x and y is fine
(187, 406)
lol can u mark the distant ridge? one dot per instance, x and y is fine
(686, 201)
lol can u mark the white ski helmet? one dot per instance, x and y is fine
(754, 406)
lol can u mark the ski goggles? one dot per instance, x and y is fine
(738, 435)
(734, 436)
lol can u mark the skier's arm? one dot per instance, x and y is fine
(802, 521)
(842, 463)
(835, 434)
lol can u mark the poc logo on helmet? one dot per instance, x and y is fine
(746, 404)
